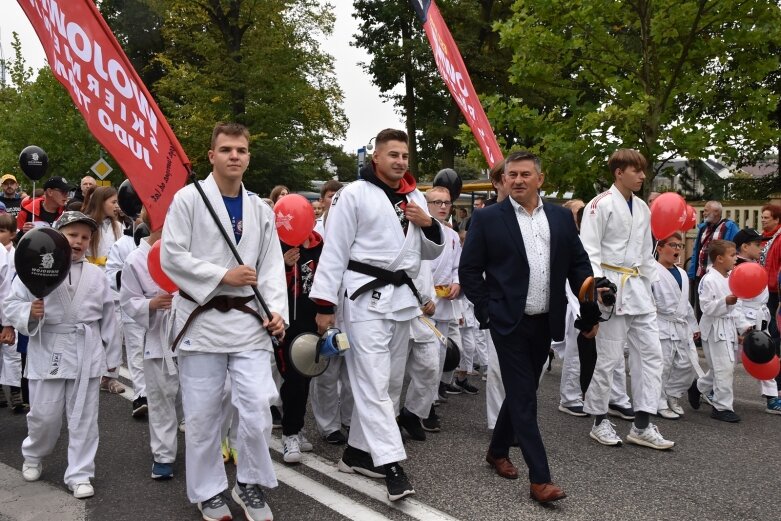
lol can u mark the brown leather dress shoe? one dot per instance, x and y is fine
(545, 492)
(504, 467)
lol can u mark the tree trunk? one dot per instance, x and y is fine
(409, 96)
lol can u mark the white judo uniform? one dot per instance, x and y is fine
(467, 327)
(69, 349)
(363, 226)
(217, 344)
(756, 312)
(618, 243)
(10, 358)
(444, 270)
(132, 332)
(719, 326)
(159, 368)
(677, 325)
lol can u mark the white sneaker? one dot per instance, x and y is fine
(649, 437)
(675, 406)
(304, 444)
(605, 433)
(83, 490)
(668, 414)
(31, 471)
(291, 449)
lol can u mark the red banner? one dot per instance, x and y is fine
(453, 70)
(86, 58)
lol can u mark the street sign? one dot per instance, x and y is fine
(101, 168)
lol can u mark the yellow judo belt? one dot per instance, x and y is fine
(625, 272)
(99, 261)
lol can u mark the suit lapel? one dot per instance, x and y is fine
(511, 221)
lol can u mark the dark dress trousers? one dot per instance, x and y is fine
(494, 275)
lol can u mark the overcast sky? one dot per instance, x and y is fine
(366, 111)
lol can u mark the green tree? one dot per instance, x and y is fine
(668, 77)
(257, 62)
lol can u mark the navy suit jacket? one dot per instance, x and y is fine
(494, 272)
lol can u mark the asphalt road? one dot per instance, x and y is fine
(716, 471)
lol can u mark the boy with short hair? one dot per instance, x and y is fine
(719, 325)
(677, 327)
(755, 310)
(73, 339)
(10, 359)
(144, 303)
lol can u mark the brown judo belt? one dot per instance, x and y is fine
(221, 303)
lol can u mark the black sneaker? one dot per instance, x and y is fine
(625, 413)
(356, 460)
(465, 386)
(452, 389)
(397, 482)
(17, 404)
(336, 438)
(724, 416)
(442, 394)
(411, 424)
(431, 424)
(140, 407)
(694, 395)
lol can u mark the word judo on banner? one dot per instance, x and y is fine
(86, 58)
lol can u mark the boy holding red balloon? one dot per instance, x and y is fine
(73, 339)
(719, 325)
(147, 304)
(748, 244)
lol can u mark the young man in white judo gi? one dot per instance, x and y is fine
(678, 327)
(73, 339)
(377, 232)
(216, 319)
(616, 233)
(147, 306)
(720, 324)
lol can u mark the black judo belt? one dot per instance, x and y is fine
(382, 277)
(221, 303)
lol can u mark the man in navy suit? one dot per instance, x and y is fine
(516, 259)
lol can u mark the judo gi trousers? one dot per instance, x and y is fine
(331, 397)
(377, 357)
(202, 379)
(468, 349)
(49, 399)
(481, 346)
(494, 388)
(720, 355)
(641, 334)
(134, 351)
(677, 370)
(422, 368)
(450, 329)
(162, 390)
(229, 417)
(10, 366)
(570, 388)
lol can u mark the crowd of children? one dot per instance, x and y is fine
(109, 299)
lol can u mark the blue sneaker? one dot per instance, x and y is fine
(773, 406)
(161, 471)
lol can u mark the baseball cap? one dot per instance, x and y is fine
(58, 183)
(68, 218)
(6, 177)
(746, 235)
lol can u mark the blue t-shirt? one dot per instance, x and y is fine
(233, 205)
(677, 275)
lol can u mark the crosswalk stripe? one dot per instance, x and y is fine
(411, 507)
(344, 505)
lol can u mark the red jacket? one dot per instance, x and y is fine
(772, 259)
(31, 210)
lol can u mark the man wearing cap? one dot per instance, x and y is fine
(10, 197)
(45, 209)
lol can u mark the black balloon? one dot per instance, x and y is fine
(759, 347)
(452, 355)
(142, 230)
(128, 200)
(450, 179)
(34, 162)
(43, 260)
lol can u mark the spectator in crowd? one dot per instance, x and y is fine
(479, 203)
(318, 208)
(87, 185)
(10, 194)
(277, 192)
(770, 259)
(46, 208)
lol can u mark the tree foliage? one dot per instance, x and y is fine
(668, 77)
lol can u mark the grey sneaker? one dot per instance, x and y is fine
(215, 509)
(605, 433)
(253, 501)
(649, 437)
(675, 405)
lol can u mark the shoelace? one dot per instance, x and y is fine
(292, 445)
(254, 495)
(215, 502)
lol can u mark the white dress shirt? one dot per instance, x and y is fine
(536, 239)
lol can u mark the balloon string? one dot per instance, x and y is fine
(295, 290)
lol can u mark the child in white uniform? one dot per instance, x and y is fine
(10, 358)
(73, 339)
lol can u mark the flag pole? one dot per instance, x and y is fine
(233, 249)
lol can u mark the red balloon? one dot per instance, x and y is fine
(295, 219)
(766, 371)
(691, 219)
(747, 280)
(156, 270)
(668, 214)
